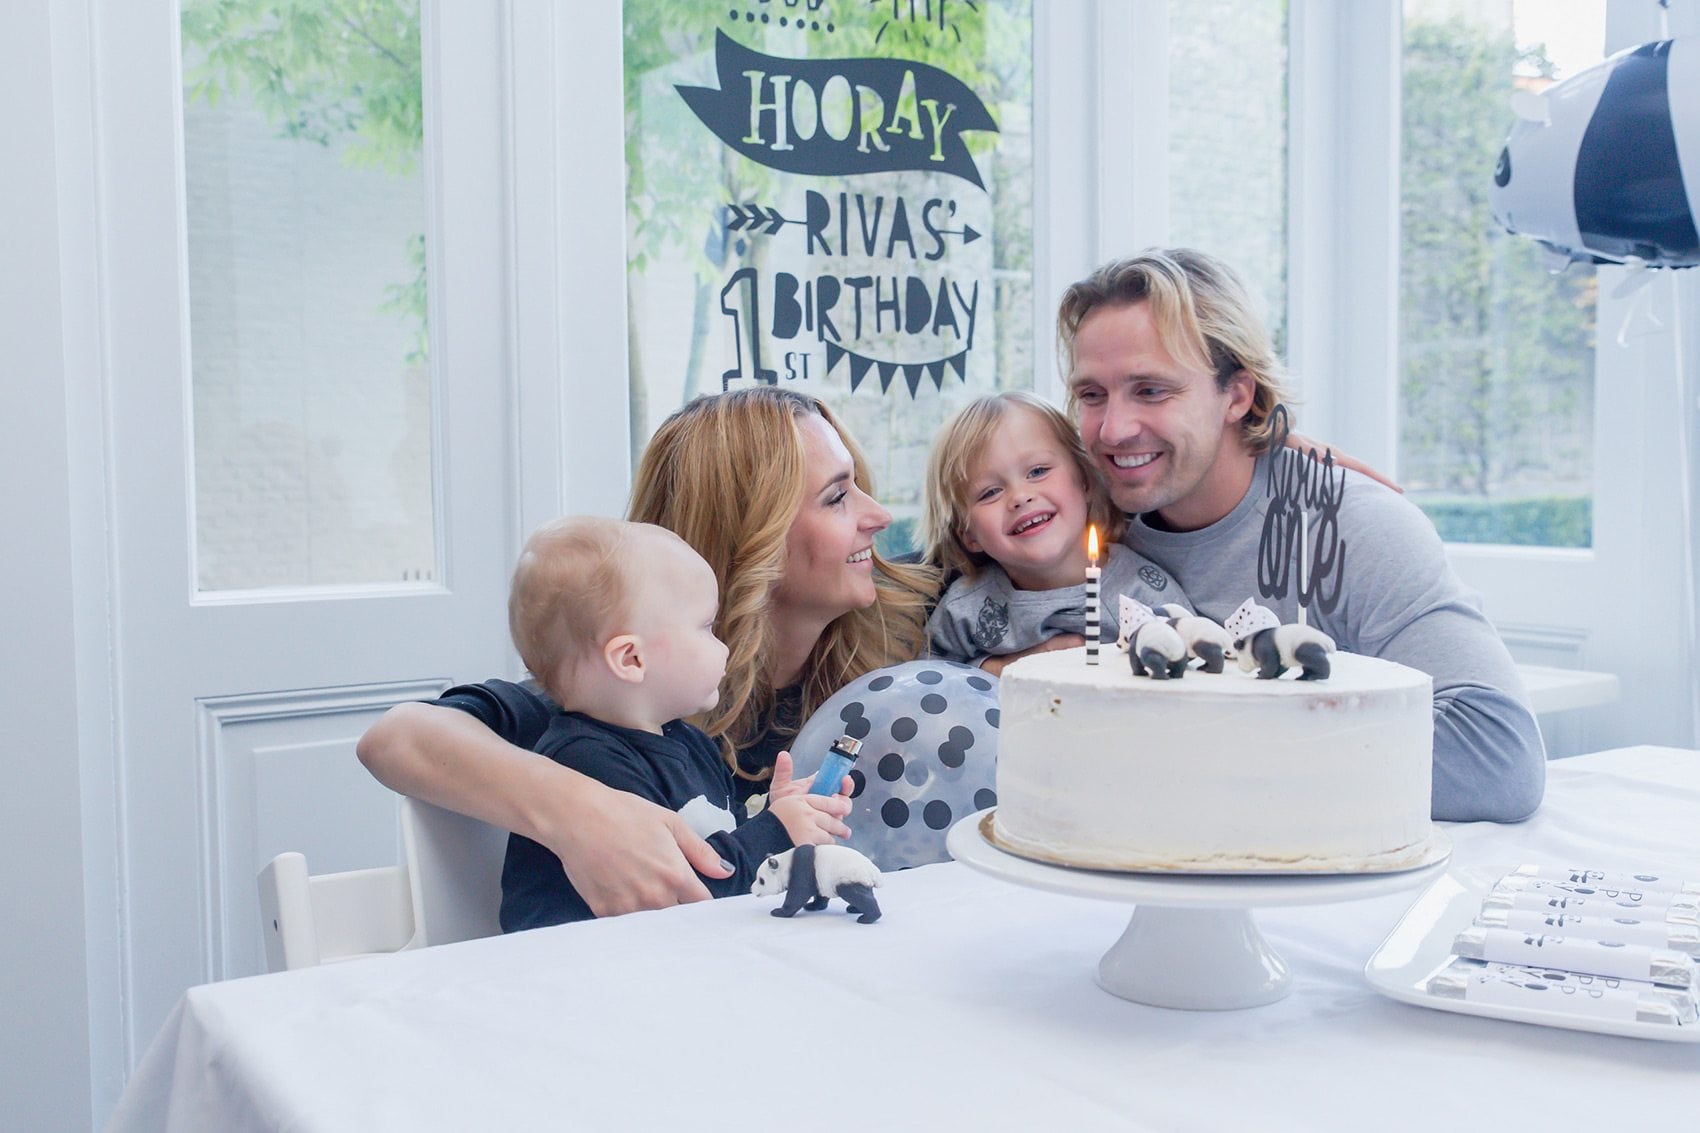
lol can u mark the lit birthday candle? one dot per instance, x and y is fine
(1092, 575)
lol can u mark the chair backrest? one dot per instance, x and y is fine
(309, 920)
(454, 868)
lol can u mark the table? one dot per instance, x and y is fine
(971, 1004)
(1560, 690)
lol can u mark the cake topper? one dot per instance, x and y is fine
(1152, 645)
(1297, 484)
(1204, 639)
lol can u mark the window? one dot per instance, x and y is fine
(1496, 351)
(1228, 141)
(306, 219)
(836, 197)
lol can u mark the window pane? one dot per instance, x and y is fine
(821, 225)
(306, 248)
(1228, 141)
(1496, 352)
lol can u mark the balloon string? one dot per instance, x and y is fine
(1685, 472)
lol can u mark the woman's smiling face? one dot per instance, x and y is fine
(829, 567)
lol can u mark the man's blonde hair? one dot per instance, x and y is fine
(1204, 317)
(727, 473)
(571, 592)
(961, 445)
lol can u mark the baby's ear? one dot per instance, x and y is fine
(624, 657)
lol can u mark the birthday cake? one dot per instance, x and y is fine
(1214, 772)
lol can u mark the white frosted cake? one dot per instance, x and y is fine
(1214, 773)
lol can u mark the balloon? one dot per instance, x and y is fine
(929, 733)
(1605, 166)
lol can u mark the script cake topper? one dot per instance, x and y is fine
(1300, 485)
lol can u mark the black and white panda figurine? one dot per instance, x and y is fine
(810, 876)
(1273, 651)
(1203, 638)
(1157, 649)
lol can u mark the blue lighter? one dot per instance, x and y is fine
(837, 764)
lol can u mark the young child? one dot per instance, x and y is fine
(616, 621)
(1010, 491)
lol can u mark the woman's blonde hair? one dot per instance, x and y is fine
(960, 446)
(1204, 317)
(727, 473)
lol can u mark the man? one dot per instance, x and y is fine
(1173, 381)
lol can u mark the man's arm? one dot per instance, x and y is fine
(621, 852)
(1402, 601)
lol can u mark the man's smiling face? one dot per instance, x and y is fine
(1165, 436)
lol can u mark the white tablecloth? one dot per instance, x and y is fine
(971, 1004)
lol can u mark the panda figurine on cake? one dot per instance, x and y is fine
(1204, 639)
(1268, 648)
(1157, 650)
(810, 876)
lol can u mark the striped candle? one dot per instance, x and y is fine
(1092, 604)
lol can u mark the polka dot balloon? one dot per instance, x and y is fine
(929, 732)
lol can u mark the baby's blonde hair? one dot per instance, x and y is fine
(573, 590)
(960, 446)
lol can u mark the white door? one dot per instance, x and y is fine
(241, 691)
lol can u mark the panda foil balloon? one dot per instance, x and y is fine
(928, 732)
(1605, 166)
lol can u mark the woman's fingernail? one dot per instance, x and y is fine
(725, 865)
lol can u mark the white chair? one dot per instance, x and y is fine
(448, 888)
(334, 916)
(454, 873)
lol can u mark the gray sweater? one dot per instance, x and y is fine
(1400, 600)
(986, 616)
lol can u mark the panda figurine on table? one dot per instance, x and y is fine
(810, 876)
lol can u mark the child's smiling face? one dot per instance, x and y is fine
(1026, 505)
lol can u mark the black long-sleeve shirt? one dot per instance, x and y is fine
(670, 770)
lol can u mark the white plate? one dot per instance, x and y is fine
(1421, 944)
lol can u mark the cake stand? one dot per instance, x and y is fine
(1191, 942)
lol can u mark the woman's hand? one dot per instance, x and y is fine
(1301, 442)
(624, 853)
(995, 665)
(812, 820)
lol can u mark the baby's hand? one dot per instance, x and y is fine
(783, 786)
(812, 820)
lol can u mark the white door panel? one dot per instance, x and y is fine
(225, 759)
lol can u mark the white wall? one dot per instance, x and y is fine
(45, 1048)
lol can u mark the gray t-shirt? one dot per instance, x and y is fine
(1400, 600)
(986, 616)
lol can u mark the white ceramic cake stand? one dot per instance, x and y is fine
(1191, 942)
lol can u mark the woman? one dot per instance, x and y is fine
(767, 486)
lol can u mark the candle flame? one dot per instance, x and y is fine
(1092, 543)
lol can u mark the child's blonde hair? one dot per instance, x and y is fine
(958, 449)
(572, 590)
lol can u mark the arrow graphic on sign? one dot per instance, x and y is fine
(755, 218)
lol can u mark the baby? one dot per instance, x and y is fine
(616, 621)
(1010, 491)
